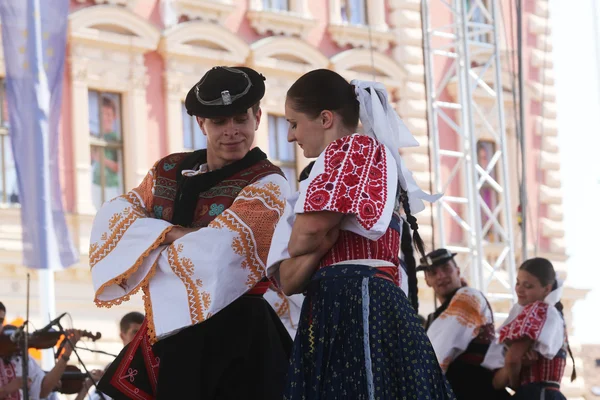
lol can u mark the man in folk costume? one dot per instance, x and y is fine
(461, 329)
(194, 236)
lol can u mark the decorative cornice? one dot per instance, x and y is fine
(205, 10)
(124, 3)
(283, 23)
(129, 32)
(196, 41)
(359, 36)
(286, 55)
(362, 64)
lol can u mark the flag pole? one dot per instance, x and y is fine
(47, 310)
(45, 270)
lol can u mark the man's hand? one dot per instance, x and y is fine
(88, 383)
(96, 376)
(177, 233)
(74, 336)
(11, 387)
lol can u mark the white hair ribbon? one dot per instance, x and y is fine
(554, 296)
(381, 122)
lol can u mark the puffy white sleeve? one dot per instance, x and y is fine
(357, 176)
(494, 357)
(281, 238)
(540, 323)
(458, 325)
(204, 271)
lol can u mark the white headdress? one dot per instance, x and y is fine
(554, 296)
(381, 122)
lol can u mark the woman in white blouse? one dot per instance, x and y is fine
(534, 331)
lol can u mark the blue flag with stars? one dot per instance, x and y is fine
(34, 37)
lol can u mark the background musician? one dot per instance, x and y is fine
(41, 384)
(128, 326)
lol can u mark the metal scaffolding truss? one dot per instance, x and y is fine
(468, 141)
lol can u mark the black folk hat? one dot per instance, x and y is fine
(435, 259)
(224, 92)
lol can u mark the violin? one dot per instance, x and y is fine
(84, 334)
(35, 340)
(72, 380)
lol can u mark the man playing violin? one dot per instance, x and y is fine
(41, 384)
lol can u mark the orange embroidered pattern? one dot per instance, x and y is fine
(253, 217)
(446, 363)
(118, 225)
(198, 301)
(282, 308)
(118, 280)
(270, 193)
(466, 308)
(145, 190)
(149, 314)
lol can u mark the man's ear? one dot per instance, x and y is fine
(257, 117)
(427, 280)
(201, 122)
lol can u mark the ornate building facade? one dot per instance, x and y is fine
(131, 63)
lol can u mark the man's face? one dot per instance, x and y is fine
(108, 119)
(229, 139)
(444, 279)
(482, 158)
(128, 335)
(2, 318)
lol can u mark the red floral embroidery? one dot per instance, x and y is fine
(7, 374)
(354, 180)
(528, 324)
(351, 180)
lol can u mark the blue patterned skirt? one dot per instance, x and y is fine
(359, 338)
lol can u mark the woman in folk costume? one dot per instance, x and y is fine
(534, 325)
(195, 236)
(358, 336)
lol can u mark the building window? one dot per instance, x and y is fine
(276, 5)
(354, 12)
(9, 189)
(281, 152)
(477, 16)
(193, 138)
(489, 196)
(106, 142)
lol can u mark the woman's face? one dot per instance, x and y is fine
(309, 133)
(529, 288)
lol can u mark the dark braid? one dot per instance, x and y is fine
(411, 265)
(412, 221)
(406, 246)
(559, 306)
